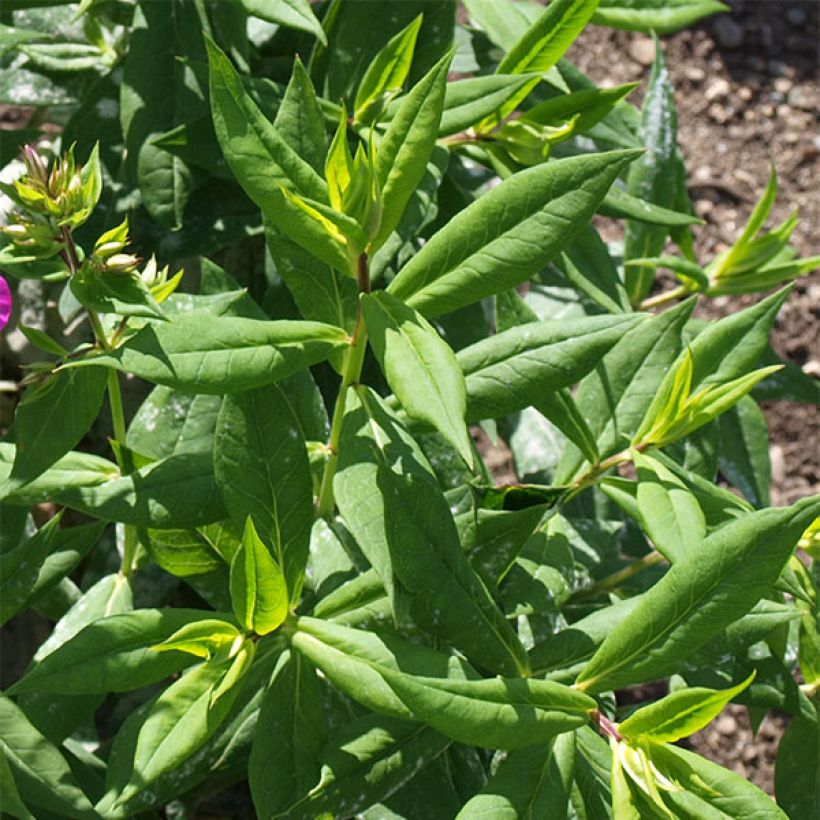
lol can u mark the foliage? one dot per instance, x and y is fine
(292, 564)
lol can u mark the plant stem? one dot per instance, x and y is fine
(351, 371)
(117, 412)
(617, 578)
(662, 298)
(605, 725)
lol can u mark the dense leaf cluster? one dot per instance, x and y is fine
(294, 566)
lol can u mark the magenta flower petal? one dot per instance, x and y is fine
(5, 303)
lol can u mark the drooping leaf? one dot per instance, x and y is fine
(744, 450)
(296, 14)
(662, 16)
(507, 234)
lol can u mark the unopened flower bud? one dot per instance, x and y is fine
(122, 263)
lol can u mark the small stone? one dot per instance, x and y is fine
(717, 88)
(728, 32)
(802, 97)
(783, 111)
(642, 51)
(778, 463)
(727, 725)
(745, 93)
(695, 74)
(767, 110)
(783, 85)
(718, 113)
(797, 16)
(703, 207)
(792, 137)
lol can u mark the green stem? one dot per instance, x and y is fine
(351, 371)
(663, 298)
(117, 412)
(617, 578)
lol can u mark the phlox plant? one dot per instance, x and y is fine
(299, 254)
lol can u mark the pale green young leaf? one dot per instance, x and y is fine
(404, 151)
(258, 591)
(689, 273)
(541, 46)
(295, 14)
(420, 368)
(338, 164)
(507, 234)
(494, 713)
(353, 660)
(699, 596)
(669, 511)
(386, 73)
(203, 638)
(51, 418)
(515, 368)
(289, 737)
(652, 177)
(623, 800)
(196, 354)
(113, 653)
(679, 714)
(262, 469)
(391, 501)
(41, 773)
(661, 16)
(529, 783)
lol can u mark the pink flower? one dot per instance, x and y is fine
(5, 303)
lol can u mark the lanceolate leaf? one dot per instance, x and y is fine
(662, 16)
(53, 417)
(392, 503)
(41, 773)
(497, 713)
(744, 450)
(514, 369)
(258, 590)
(530, 783)
(420, 367)
(699, 596)
(295, 14)
(198, 354)
(507, 234)
(113, 654)
(262, 470)
(405, 149)
(289, 736)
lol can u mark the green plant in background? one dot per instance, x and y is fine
(294, 567)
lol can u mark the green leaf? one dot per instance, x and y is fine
(41, 773)
(652, 177)
(256, 151)
(542, 45)
(529, 783)
(12, 802)
(296, 14)
(161, 88)
(796, 780)
(183, 717)
(182, 552)
(496, 713)
(262, 470)
(374, 757)
(114, 653)
(560, 409)
(13, 36)
(122, 294)
(744, 450)
(299, 119)
(679, 714)
(390, 500)
(178, 491)
(515, 368)
(621, 205)
(420, 368)
(289, 736)
(353, 660)
(669, 512)
(203, 639)
(197, 354)
(405, 149)
(386, 73)
(51, 418)
(699, 596)
(468, 101)
(258, 590)
(615, 396)
(662, 16)
(20, 567)
(508, 234)
(72, 470)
